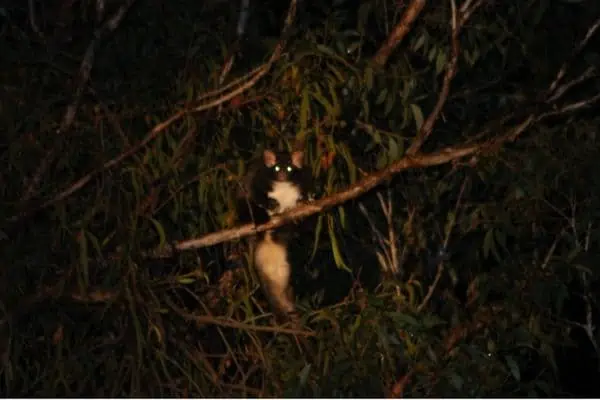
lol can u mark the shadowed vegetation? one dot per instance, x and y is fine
(128, 128)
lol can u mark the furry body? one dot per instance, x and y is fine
(274, 186)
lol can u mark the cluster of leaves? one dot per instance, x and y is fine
(508, 239)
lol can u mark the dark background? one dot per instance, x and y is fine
(508, 239)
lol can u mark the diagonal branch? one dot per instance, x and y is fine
(441, 266)
(399, 32)
(364, 185)
(562, 72)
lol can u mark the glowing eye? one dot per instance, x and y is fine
(277, 168)
(289, 169)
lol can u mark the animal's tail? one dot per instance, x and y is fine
(271, 261)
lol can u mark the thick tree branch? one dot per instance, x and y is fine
(364, 185)
(398, 32)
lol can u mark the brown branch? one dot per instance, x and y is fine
(206, 105)
(234, 83)
(568, 108)
(369, 182)
(565, 66)
(398, 32)
(230, 323)
(240, 29)
(441, 267)
(262, 70)
(359, 188)
(559, 91)
(399, 386)
(458, 22)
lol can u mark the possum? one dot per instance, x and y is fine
(273, 186)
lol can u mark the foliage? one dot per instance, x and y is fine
(496, 255)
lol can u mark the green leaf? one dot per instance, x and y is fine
(432, 53)
(429, 321)
(381, 97)
(440, 62)
(342, 214)
(95, 243)
(382, 160)
(488, 243)
(318, 230)
(369, 77)
(456, 381)
(160, 230)
(338, 74)
(345, 152)
(366, 108)
(376, 137)
(513, 367)
(337, 108)
(404, 319)
(417, 115)
(335, 248)
(393, 152)
(302, 379)
(500, 237)
(420, 42)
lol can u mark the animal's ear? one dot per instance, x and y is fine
(298, 158)
(270, 158)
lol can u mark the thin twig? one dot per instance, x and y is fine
(236, 82)
(573, 106)
(80, 183)
(457, 23)
(230, 323)
(32, 20)
(552, 249)
(559, 91)
(441, 266)
(564, 67)
(84, 75)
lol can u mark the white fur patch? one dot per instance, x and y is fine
(286, 194)
(270, 259)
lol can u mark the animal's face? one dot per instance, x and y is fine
(283, 167)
